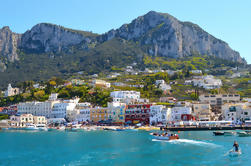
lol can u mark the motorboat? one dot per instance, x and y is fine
(166, 137)
(31, 127)
(107, 128)
(244, 134)
(218, 133)
(61, 128)
(42, 127)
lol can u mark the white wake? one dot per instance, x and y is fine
(187, 141)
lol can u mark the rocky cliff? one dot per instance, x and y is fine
(8, 44)
(50, 38)
(163, 35)
(157, 34)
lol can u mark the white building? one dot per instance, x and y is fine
(65, 109)
(101, 83)
(237, 112)
(157, 82)
(171, 72)
(159, 114)
(196, 71)
(202, 111)
(83, 112)
(177, 112)
(125, 96)
(162, 85)
(207, 82)
(36, 108)
(219, 99)
(165, 87)
(11, 91)
(60, 109)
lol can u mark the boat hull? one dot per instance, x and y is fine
(166, 138)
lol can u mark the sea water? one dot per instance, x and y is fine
(119, 148)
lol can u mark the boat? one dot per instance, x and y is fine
(218, 133)
(232, 152)
(42, 127)
(166, 137)
(61, 128)
(31, 127)
(229, 133)
(244, 134)
(107, 128)
(119, 129)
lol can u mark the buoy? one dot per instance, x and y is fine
(178, 131)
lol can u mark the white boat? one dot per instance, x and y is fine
(42, 127)
(61, 128)
(167, 137)
(31, 127)
(234, 153)
(244, 134)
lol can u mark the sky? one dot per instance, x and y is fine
(228, 20)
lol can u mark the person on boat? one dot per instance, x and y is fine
(236, 146)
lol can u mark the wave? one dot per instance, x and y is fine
(187, 141)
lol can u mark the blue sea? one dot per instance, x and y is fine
(119, 148)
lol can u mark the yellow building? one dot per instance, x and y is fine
(98, 114)
(26, 119)
(39, 120)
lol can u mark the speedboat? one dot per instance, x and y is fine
(244, 134)
(217, 133)
(166, 137)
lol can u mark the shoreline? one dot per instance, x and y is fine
(143, 128)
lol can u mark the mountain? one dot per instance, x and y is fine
(163, 35)
(51, 50)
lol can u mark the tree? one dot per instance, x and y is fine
(39, 94)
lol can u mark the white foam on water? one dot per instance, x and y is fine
(187, 141)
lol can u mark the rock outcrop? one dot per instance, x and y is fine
(8, 45)
(50, 38)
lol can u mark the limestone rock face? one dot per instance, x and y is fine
(50, 38)
(8, 45)
(164, 35)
